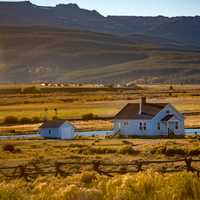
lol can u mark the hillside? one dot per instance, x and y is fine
(53, 54)
(70, 16)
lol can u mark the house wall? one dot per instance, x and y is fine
(66, 131)
(164, 130)
(53, 133)
(132, 127)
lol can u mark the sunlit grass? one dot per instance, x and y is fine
(91, 186)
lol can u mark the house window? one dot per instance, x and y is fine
(125, 123)
(49, 132)
(140, 125)
(177, 125)
(145, 126)
(158, 126)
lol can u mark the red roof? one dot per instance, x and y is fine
(132, 111)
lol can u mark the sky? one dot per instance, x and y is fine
(133, 7)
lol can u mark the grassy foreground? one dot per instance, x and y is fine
(87, 184)
(90, 186)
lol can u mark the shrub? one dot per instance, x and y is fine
(55, 118)
(97, 150)
(161, 149)
(78, 145)
(11, 148)
(25, 120)
(127, 142)
(32, 89)
(89, 116)
(36, 120)
(128, 150)
(170, 150)
(195, 152)
(88, 177)
(11, 120)
(174, 151)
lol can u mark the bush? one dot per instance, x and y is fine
(174, 151)
(127, 142)
(89, 116)
(36, 120)
(11, 120)
(77, 145)
(169, 150)
(128, 150)
(11, 148)
(195, 152)
(32, 89)
(97, 150)
(25, 120)
(88, 177)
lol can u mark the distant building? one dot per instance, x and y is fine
(57, 130)
(149, 119)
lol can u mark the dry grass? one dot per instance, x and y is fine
(90, 186)
(75, 103)
(119, 150)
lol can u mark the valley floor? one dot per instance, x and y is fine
(38, 103)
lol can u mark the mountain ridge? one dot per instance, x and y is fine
(71, 16)
(68, 44)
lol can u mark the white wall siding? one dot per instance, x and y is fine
(53, 133)
(132, 127)
(164, 131)
(65, 132)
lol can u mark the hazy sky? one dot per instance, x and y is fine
(134, 7)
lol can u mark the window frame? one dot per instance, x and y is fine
(177, 125)
(158, 126)
(143, 126)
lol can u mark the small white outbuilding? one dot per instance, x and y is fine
(57, 130)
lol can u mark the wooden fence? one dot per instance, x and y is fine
(35, 168)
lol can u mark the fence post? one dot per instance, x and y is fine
(139, 165)
(96, 165)
(59, 171)
(188, 162)
(23, 173)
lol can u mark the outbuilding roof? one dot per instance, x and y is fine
(148, 111)
(53, 124)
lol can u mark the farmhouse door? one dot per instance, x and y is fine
(171, 127)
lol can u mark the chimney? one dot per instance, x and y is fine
(142, 103)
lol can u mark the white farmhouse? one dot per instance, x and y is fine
(57, 130)
(149, 119)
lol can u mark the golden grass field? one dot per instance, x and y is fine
(73, 103)
(88, 185)
(146, 149)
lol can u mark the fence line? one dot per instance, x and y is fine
(33, 169)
